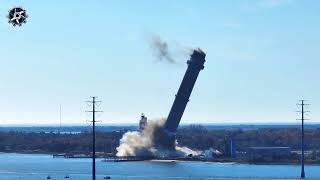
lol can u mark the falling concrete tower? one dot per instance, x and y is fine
(195, 65)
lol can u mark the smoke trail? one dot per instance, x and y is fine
(161, 50)
(170, 52)
(144, 143)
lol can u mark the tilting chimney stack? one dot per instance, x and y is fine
(165, 137)
(195, 65)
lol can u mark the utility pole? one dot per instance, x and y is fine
(93, 111)
(59, 118)
(302, 104)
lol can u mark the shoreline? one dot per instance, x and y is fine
(234, 162)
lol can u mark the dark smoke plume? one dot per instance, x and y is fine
(173, 52)
(161, 50)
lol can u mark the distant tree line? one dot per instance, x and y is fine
(31, 142)
(198, 137)
(193, 136)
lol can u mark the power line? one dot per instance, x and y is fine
(93, 111)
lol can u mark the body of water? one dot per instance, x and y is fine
(38, 167)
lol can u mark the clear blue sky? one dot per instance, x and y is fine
(262, 57)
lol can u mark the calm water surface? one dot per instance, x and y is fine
(38, 167)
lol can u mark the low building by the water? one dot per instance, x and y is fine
(268, 152)
(210, 154)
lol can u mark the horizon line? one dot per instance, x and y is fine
(136, 124)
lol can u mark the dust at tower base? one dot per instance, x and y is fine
(165, 137)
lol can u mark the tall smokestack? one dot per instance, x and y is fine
(195, 65)
(158, 138)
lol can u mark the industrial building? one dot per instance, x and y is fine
(268, 152)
